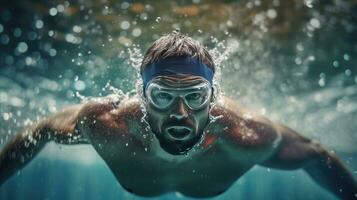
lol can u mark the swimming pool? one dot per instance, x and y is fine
(293, 62)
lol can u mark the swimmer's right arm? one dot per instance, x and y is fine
(60, 128)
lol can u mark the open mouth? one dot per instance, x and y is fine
(179, 132)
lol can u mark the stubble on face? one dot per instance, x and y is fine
(160, 120)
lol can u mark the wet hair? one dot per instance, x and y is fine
(176, 44)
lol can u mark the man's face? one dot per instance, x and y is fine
(178, 110)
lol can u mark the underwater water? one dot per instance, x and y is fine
(294, 62)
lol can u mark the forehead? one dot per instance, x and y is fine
(178, 81)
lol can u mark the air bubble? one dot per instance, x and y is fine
(60, 8)
(6, 116)
(4, 39)
(315, 23)
(346, 57)
(22, 47)
(125, 25)
(17, 32)
(335, 63)
(271, 13)
(136, 32)
(39, 24)
(53, 11)
(125, 5)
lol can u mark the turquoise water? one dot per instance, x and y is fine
(293, 62)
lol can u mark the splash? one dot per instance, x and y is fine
(115, 96)
(135, 56)
(135, 60)
(220, 53)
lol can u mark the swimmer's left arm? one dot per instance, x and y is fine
(296, 151)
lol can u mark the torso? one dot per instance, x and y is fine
(142, 167)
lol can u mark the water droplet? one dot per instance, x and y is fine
(315, 23)
(77, 29)
(348, 72)
(298, 61)
(143, 16)
(6, 116)
(53, 11)
(322, 80)
(136, 32)
(51, 33)
(125, 5)
(308, 3)
(346, 57)
(79, 85)
(125, 25)
(335, 63)
(22, 47)
(52, 52)
(60, 8)
(4, 39)
(39, 24)
(27, 144)
(17, 32)
(271, 13)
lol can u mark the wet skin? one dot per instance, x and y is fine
(213, 157)
(143, 167)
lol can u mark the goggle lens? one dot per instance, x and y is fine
(195, 97)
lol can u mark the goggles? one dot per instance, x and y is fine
(195, 97)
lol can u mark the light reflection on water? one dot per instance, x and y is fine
(302, 74)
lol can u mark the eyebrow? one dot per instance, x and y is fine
(181, 80)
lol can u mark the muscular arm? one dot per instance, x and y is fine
(60, 128)
(296, 151)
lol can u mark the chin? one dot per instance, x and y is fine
(175, 149)
(177, 146)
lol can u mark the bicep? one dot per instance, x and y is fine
(293, 151)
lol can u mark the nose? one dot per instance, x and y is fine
(180, 111)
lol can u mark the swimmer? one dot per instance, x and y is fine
(186, 139)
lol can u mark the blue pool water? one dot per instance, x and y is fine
(292, 62)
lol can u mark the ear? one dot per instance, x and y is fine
(212, 100)
(213, 96)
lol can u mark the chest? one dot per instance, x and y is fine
(149, 172)
(142, 167)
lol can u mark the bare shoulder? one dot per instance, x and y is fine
(245, 130)
(108, 113)
(109, 105)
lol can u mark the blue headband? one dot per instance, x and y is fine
(177, 65)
